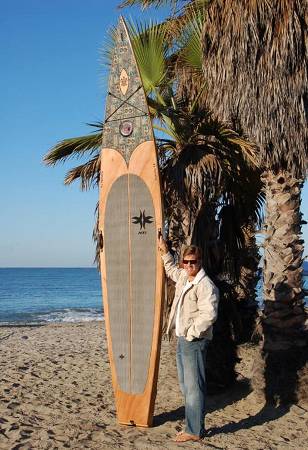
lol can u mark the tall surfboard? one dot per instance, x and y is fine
(130, 217)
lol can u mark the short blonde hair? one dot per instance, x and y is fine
(193, 250)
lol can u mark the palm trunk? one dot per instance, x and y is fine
(280, 375)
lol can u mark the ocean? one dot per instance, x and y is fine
(46, 295)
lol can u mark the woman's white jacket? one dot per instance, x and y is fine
(198, 305)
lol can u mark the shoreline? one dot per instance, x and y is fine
(56, 393)
(46, 324)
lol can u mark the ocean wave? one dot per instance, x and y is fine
(71, 315)
(66, 315)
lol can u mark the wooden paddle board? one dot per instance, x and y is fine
(130, 218)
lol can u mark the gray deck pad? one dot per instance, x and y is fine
(130, 246)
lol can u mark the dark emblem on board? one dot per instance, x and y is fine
(142, 219)
(126, 128)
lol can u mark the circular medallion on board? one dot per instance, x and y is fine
(126, 128)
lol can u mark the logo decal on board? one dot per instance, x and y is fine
(123, 81)
(126, 128)
(142, 220)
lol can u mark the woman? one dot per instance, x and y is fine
(193, 312)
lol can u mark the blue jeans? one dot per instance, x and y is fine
(190, 359)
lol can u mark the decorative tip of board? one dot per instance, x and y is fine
(122, 25)
(127, 121)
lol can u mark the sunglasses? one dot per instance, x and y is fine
(191, 261)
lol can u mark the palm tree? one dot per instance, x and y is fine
(257, 51)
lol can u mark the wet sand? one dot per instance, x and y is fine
(55, 393)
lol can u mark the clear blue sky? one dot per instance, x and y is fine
(52, 84)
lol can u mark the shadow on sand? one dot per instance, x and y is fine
(219, 401)
(265, 415)
(170, 416)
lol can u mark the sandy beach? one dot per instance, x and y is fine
(55, 393)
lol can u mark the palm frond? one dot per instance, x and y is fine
(149, 44)
(73, 148)
(248, 149)
(106, 52)
(194, 176)
(147, 3)
(190, 42)
(88, 173)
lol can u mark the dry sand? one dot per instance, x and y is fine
(55, 393)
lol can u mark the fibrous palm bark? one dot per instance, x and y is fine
(255, 64)
(285, 340)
